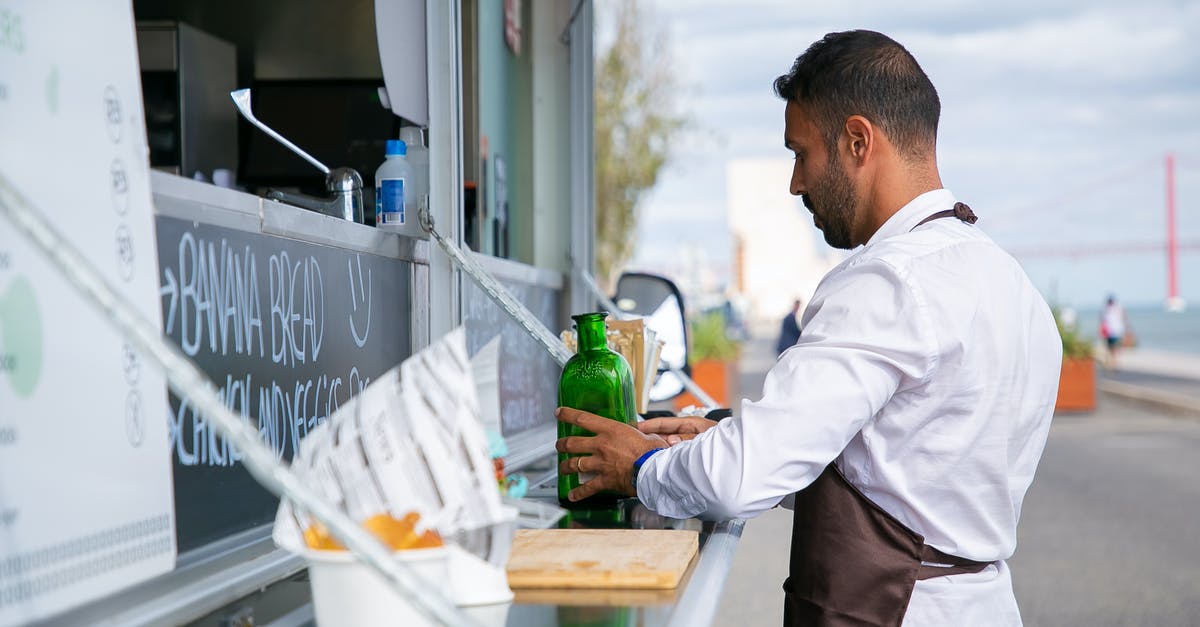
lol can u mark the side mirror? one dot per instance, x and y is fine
(659, 301)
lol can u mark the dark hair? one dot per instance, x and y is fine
(862, 72)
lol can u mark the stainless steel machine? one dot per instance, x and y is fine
(187, 75)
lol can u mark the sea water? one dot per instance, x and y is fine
(1154, 327)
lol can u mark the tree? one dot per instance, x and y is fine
(636, 121)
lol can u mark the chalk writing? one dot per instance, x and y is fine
(202, 445)
(4, 260)
(8, 435)
(363, 294)
(8, 362)
(216, 297)
(285, 415)
(288, 281)
(286, 340)
(217, 292)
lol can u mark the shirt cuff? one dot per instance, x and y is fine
(637, 465)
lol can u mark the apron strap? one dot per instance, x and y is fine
(935, 563)
(960, 211)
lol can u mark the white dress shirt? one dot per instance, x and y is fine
(1114, 320)
(927, 366)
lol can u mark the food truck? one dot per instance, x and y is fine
(248, 239)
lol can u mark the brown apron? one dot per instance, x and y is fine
(853, 564)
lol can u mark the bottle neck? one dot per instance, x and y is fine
(591, 333)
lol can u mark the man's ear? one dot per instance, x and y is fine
(860, 138)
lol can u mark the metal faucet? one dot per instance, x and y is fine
(345, 184)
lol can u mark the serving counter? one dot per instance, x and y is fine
(692, 604)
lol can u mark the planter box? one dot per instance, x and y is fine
(713, 377)
(1077, 385)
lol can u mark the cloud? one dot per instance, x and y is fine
(1056, 114)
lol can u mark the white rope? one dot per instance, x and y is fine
(490, 286)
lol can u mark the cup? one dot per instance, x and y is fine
(347, 593)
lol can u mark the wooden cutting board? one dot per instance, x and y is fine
(600, 558)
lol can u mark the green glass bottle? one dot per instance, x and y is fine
(595, 380)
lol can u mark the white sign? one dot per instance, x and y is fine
(85, 471)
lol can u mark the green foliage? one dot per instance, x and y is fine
(1075, 344)
(635, 124)
(709, 340)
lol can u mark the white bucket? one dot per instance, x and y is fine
(347, 593)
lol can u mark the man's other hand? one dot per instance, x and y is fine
(676, 430)
(609, 455)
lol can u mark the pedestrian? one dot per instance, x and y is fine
(1113, 327)
(789, 330)
(909, 418)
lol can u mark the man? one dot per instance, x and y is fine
(1112, 329)
(789, 330)
(909, 418)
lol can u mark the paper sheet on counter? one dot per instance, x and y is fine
(412, 441)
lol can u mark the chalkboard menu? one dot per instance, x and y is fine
(288, 331)
(528, 375)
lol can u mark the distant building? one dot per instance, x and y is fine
(778, 254)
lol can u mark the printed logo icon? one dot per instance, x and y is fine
(124, 252)
(131, 364)
(119, 184)
(52, 90)
(21, 337)
(133, 419)
(112, 113)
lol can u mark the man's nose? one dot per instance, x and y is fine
(797, 186)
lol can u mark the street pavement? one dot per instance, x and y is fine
(1109, 535)
(753, 592)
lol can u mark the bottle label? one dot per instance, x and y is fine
(389, 201)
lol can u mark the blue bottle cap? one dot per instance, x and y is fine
(396, 147)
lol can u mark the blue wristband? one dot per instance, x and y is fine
(637, 465)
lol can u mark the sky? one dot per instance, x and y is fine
(1056, 119)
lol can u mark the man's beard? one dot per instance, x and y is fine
(833, 204)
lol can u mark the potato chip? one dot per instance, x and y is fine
(398, 535)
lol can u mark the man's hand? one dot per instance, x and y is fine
(676, 430)
(609, 455)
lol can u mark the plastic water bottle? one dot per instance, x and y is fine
(418, 157)
(395, 208)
